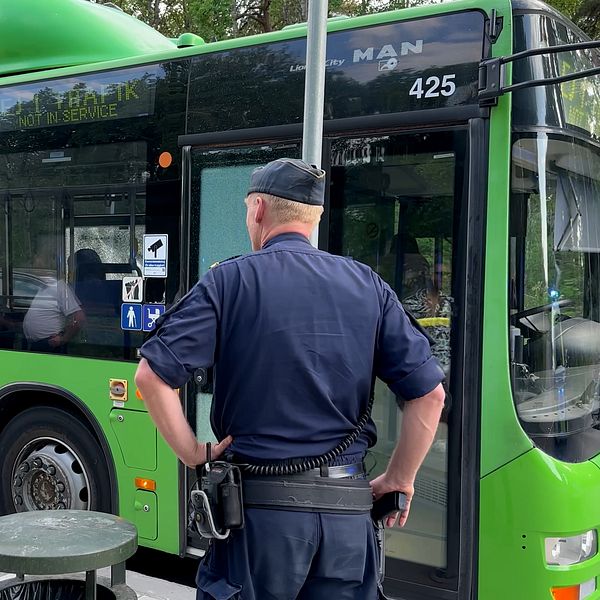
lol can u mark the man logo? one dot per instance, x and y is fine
(387, 52)
(388, 65)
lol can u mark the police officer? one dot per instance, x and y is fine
(295, 335)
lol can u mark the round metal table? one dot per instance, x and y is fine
(66, 541)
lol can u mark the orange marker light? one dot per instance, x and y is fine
(145, 484)
(565, 593)
(138, 395)
(165, 159)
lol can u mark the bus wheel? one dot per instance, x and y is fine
(50, 460)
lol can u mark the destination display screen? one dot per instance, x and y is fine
(89, 99)
(419, 64)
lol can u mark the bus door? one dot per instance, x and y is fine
(398, 203)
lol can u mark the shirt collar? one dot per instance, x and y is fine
(286, 237)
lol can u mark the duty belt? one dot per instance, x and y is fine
(337, 472)
(328, 489)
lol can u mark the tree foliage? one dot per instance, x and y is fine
(584, 13)
(588, 17)
(221, 19)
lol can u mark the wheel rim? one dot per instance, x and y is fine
(48, 475)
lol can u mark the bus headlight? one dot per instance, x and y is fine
(571, 550)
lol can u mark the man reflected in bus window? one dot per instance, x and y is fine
(296, 337)
(55, 315)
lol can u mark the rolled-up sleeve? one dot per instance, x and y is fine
(185, 339)
(404, 360)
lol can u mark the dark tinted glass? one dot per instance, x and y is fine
(80, 184)
(573, 105)
(555, 293)
(413, 65)
(395, 205)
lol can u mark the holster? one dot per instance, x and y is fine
(218, 504)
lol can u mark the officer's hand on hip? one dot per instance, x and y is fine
(199, 455)
(382, 485)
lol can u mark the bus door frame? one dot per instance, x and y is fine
(462, 568)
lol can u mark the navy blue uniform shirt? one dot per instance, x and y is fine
(293, 332)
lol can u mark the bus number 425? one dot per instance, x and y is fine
(434, 86)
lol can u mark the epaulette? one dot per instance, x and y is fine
(220, 262)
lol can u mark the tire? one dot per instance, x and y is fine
(50, 460)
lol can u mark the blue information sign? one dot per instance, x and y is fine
(151, 313)
(131, 317)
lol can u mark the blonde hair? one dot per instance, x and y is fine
(286, 211)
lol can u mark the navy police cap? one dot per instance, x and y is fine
(291, 179)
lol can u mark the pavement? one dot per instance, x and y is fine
(146, 588)
(152, 588)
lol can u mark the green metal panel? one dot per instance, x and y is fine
(136, 436)
(525, 495)
(146, 504)
(502, 438)
(37, 34)
(522, 503)
(89, 381)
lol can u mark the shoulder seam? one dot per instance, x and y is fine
(268, 251)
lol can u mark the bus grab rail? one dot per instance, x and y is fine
(492, 72)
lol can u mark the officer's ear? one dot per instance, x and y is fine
(259, 213)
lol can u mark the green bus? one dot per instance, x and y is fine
(462, 146)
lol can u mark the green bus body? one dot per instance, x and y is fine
(496, 491)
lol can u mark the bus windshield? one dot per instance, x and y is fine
(555, 293)
(554, 288)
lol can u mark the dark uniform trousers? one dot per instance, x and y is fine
(291, 555)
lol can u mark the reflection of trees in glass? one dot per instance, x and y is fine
(581, 97)
(104, 164)
(368, 232)
(369, 235)
(230, 90)
(565, 269)
(389, 92)
(34, 230)
(122, 153)
(388, 192)
(104, 149)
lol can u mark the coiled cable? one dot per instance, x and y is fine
(313, 462)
